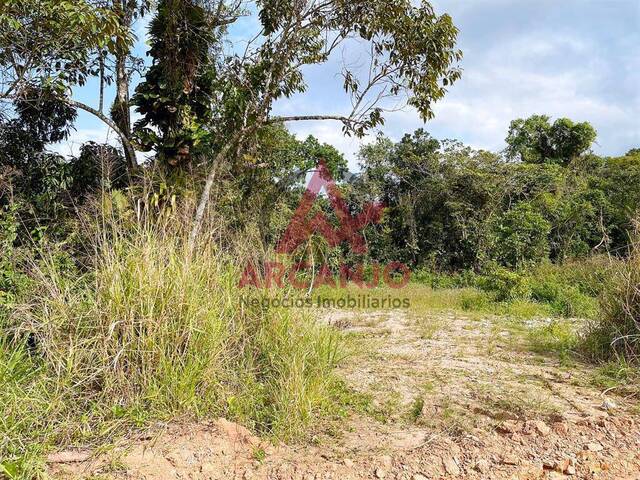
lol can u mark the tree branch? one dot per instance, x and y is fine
(206, 192)
(130, 152)
(299, 118)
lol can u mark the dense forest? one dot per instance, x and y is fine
(118, 277)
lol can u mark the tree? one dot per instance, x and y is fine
(56, 45)
(412, 56)
(271, 180)
(536, 140)
(520, 236)
(126, 12)
(439, 196)
(176, 95)
(40, 187)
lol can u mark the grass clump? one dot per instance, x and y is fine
(558, 337)
(152, 330)
(568, 290)
(615, 334)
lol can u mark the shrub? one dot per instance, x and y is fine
(617, 330)
(520, 237)
(154, 331)
(504, 283)
(565, 299)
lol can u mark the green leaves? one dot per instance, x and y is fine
(48, 41)
(536, 140)
(175, 96)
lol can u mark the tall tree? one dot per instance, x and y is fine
(536, 140)
(412, 58)
(126, 11)
(57, 44)
(175, 97)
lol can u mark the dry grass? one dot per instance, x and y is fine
(152, 331)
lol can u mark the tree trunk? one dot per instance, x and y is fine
(120, 111)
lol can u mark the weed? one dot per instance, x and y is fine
(151, 332)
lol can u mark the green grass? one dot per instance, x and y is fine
(560, 337)
(153, 331)
(425, 300)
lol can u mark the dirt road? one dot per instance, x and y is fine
(451, 396)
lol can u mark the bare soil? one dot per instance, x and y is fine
(451, 397)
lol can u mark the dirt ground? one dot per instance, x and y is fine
(452, 396)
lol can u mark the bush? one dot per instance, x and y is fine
(504, 283)
(554, 285)
(520, 237)
(153, 331)
(565, 299)
(617, 330)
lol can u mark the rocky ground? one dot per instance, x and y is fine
(451, 396)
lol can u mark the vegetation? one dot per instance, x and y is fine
(152, 331)
(615, 334)
(119, 281)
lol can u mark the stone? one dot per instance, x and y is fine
(560, 428)
(594, 447)
(419, 476)
(542, 428)
(380, 473)
(482, 466)
(509, 426)
(608, 405)
(562, 465)
(348, 463)
(450, 466)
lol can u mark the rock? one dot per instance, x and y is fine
(608, 405)
(386, 461)
(594, 447)
(560, 428)
(542, 428)
(451, 466)
(380, 473)
(419, 476)
(562, 465)
(509, 426)
(483, 466)
(510, 460)
(348, 463)
(571, 470)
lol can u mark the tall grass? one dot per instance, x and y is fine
(153, 330)
(616, 332)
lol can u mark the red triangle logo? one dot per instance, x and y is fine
(302, 226)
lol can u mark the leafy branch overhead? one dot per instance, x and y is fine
(199, 91)
(44, 42)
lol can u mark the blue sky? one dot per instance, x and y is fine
(571, 58)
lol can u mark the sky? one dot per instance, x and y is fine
(572, 58)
